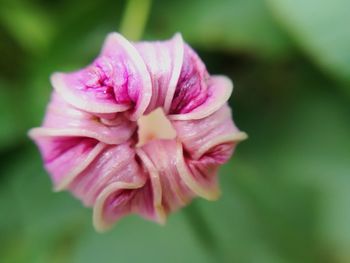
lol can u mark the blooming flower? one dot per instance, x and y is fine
(143, 129)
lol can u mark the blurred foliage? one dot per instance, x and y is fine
(286, 192)
(319, 29)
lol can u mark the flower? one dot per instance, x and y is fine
(143, 129)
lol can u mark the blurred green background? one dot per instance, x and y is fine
(286, 192)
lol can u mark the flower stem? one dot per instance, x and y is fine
(135, 18)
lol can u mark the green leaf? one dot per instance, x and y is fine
(321, 30)
(233, 25)
(36, 224)
(28, 24)
(136, 240)
(12, 126)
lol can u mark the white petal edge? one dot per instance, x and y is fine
(71, 132)
(58, 83)
(229, 138)
(141, 67)
(68, 178)
(178, 61)
(206, 193)
(156, 186)
(223, 87)
(99, 223)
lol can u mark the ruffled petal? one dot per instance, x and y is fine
(117, 186)
(208, 143)
(160, 159)
(72, 87)
(62, 119)
(191, 89)
(218, 92)
(139, 84)
(113, 203)
(199, 136)
(115, 164)
(116, 81)
(164, 61)
(65, 157)
(202, 183)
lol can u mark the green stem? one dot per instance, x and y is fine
(135, 18)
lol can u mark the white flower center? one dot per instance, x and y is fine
(154, 126)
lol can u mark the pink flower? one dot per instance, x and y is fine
(143, 130)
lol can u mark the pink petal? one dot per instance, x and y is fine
(199, 136)
(72, 88)
(122, 188)
(114, 202)
(192, 87)
(164, 61)
(201, 182)
(116, 81)
(160, 159)
(208, 143)
(66, 157)
(62, 119)
(139, 81)
(219, 91)
(115, 164)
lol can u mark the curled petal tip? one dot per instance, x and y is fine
(219, 91)
(73, 91)
(241, 136)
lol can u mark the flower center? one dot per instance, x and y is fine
(153, 126)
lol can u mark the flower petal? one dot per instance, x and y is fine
(196, 179)
(123, 188)
(72, 88)
(66, 157)
(161, 162)
(191, 89)
(115, 164)
(164, 61)
(199, 136)
(62, 119)
(219, 91)
(139, 80)
(113, 203)
(208, 143)
(116, 81)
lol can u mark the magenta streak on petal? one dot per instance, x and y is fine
(113, 203)
(66, 157)
(116, 81)
(139, 90)
(191, 90)
(108, 79)
(71, 87)
(203, 186)
(120, 198)
(219, 91)
(163, 60)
